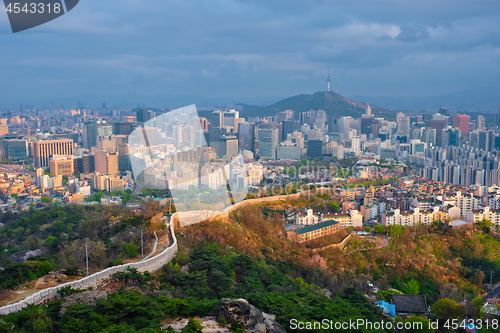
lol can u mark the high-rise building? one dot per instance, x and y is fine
(217, 118)
(439, 125)
(403, 124)
(4, 129)
(122, 128)
(144, 115)
(229, 117)
(268, 141)
(415, 133)
(62, 165)
(246, 137)
(88, 163)
(314, 148)
(497, 118)
(15, 149)
(89, 135)
(462, 122)
(481, 123)
(451, 137)
(43, 150)
(106, 163)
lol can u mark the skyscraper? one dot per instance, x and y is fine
(89, 134)
(481, 123)
(268, 141)
(217, 118)
(403, 124)
(439, 125)
(144, 115)
(462, 122)
(246, 136)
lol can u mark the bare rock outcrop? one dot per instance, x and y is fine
(242, 312)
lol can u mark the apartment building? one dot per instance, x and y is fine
(310, 232)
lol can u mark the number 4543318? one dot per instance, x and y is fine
(33, 8)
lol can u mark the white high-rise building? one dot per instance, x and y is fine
(403, 124)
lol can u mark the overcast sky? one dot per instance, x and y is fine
(255, 49)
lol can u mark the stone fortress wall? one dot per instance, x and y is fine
(153, 264)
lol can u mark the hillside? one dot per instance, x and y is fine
(333, 104)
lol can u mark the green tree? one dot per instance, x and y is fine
(46, 199)
(334, 207)
(379, 228)
(447, 308)
(193, 326)
(412, 287)
(477, 305)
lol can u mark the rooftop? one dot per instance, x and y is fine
(410, 303)
(315, 227)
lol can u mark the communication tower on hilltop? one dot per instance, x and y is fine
(328, 80)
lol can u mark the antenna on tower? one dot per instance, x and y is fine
(328, 80)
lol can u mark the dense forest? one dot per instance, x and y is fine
(110, 233)
(192, 286)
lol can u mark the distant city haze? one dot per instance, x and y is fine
(173, 53)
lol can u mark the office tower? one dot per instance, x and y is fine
(217, 118)
(296, 137)
(333, 125)
(122, 128)
(439, 125)
(497, 118)
(268, 141)
(103, 128)
(313, 118)
(429, 136)
(366, 125)
(314, 148)
(106, 163)
(284, 116)
(43, 150)
(246, 137)
(229, 118)
(415, 133)
(462, 122)
(480, 122)
(39, 176)
(347, 124)
(88, 163)
(204, 123)
(144, 115)
(403, 124)
(78, 164)
(451, 137)
(15, 149)
(62, 165)
(356, 145)
(484, 141)
(287, 127)
(444, 111)
(4, 129)
(89, 135)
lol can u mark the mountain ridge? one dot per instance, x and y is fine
(334, 104)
